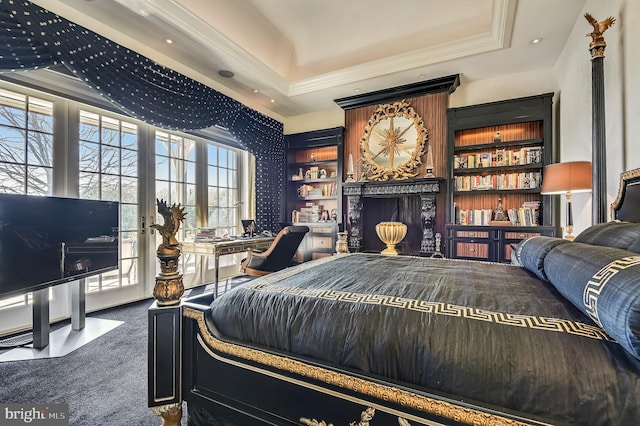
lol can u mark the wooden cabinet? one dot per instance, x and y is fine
(497, 153)
(319, 242)
(489, 243)
(314, 189)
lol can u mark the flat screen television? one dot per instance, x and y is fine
(45, 241)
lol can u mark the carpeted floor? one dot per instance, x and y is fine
(104, 382)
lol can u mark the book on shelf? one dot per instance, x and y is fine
(500, 157)
(503, 181)
(527, 215)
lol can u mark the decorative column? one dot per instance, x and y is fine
(165, 322)
(428, 212)
(599, 148)
(355, 222)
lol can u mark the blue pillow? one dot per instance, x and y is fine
(604, 283)
(611, 234)
(530, 253)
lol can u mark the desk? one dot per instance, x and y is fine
(222, 247)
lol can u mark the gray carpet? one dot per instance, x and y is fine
(104, 382)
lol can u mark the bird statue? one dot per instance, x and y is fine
(172, 217)
(598, 28)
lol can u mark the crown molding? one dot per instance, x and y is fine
(499, 37)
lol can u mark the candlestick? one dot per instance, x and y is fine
(350, 170)
(429, 165)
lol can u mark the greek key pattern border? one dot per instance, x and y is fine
(391, 394)
(447, 309)
(599, 281)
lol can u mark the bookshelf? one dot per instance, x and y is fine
(497, 153)
(313, 189)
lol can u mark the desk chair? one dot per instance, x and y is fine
(278, 256)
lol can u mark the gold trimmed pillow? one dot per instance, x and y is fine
(604, 283)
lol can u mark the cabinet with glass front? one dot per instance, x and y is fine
(497, 153)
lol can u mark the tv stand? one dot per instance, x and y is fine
(47, 344)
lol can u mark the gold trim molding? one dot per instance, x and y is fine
(447, 410)
(392, 140)
(625, 178)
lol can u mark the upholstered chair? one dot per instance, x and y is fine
(278, 256)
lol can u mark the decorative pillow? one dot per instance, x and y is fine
(604, 283)
(635, 247)
(611, 234)
(531, 252)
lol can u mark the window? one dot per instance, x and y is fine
(108, 170)
(222, 190)
(26, 152)
(176, 183)
(26, 148)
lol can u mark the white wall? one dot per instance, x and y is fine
(622, 96)
(510, 86)
(468, 93)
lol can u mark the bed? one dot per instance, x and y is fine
(365, 339)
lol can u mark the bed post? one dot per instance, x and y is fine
(598, 143)
(165, 323)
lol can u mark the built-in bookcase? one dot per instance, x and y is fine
(497, 153)
(314, 193)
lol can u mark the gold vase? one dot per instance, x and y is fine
(391, 233)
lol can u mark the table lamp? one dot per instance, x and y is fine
(567, 178)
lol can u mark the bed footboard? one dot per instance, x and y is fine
(228, 383)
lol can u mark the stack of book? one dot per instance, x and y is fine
(310, 213)
(527, 215)
(205, 234)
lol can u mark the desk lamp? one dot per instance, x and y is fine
(567, 178)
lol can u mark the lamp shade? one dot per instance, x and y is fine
(559, 178)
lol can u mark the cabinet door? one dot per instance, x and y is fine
(472, 243)
(322, 240)
(509, 239)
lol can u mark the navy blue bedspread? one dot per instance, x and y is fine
(494, 334)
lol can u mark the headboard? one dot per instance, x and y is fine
(625, 206)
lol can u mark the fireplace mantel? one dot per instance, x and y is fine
(425, 188)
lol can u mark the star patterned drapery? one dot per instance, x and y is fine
(32, 37)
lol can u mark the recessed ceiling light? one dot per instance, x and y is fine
(356, 90)
(226, 73)
(273, 100)
(255, 90)
(169, 41)
(536, 41)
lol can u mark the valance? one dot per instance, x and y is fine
(33, 37)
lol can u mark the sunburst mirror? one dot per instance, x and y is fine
(393, 143)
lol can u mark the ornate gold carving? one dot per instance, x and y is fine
(171, 414)
(625, 178)
(599, 280)
(439, 308)
(172, 217)
(598, 44)
(365, 417)
(392, 143)
(169, 287)
(447, 410)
